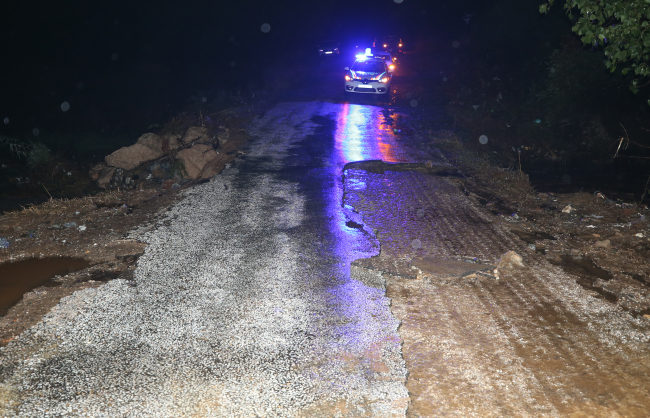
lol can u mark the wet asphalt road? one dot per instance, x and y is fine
(242, 304)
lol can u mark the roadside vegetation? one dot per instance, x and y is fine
(550, 105)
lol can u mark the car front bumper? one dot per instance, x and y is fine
(371, 87)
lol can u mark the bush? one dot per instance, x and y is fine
(39, 155)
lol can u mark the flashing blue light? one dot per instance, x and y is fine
(361, 57)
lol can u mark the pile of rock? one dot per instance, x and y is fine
(169, 159)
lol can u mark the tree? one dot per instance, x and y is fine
(620, 27)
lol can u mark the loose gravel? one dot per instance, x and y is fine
(241, 305)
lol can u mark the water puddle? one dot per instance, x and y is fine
(587, 273)
(22, 276)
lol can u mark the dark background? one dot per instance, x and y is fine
(129, 67)
(168, 51)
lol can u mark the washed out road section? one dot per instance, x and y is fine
(241, 305)
(532, 343)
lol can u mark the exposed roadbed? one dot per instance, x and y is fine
(240, 303)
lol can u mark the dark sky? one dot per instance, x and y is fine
(111, 60)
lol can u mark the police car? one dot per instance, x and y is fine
(369, 74)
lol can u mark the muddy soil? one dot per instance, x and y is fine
(603, 244)
(99, 236)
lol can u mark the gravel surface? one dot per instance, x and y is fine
(241, 305)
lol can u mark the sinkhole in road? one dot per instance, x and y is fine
(20, 277)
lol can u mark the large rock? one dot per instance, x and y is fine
(105, 176)
(128, 158)
(171, 142)
(196, 134)
(151, 141)
(102, 173)
(196, 158)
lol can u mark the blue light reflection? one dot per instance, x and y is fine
(361, 135)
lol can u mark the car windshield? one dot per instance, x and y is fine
(368, 66)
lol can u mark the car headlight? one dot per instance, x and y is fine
(391, 67)
(384, 80)
(385, 46)
(348, 78)
(400, 45)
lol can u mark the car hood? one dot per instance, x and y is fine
(367, 75)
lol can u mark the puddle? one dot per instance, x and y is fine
(587, 273)
(352, 224)
(22, 276)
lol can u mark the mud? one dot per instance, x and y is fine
(38, 233)
(533, 342)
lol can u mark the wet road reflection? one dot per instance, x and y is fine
(365, 133)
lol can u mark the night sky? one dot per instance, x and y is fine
(122, 65)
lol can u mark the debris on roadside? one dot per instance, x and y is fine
(509, 261)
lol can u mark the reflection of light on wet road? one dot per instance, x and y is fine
(361, 135)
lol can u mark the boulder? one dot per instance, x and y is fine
(171, 142)
(196, 158)
(105, 177)
(97, 168)
(102, 173)
(129, 158)
(196, 134)
(151, 141)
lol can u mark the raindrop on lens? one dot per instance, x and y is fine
(420, 213)
(65, 106)
(36, 131)
(444, 78)
(414, 103)
(6, 121)
(114, 56)
(455, 44)
(266, 28)
(398, 1)
(232, 63)
(483, 139)
(416, 244)
(205, 99)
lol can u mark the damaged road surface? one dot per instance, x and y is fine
(296, 284)
(520, 339)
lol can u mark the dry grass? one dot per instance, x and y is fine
(79, 204)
